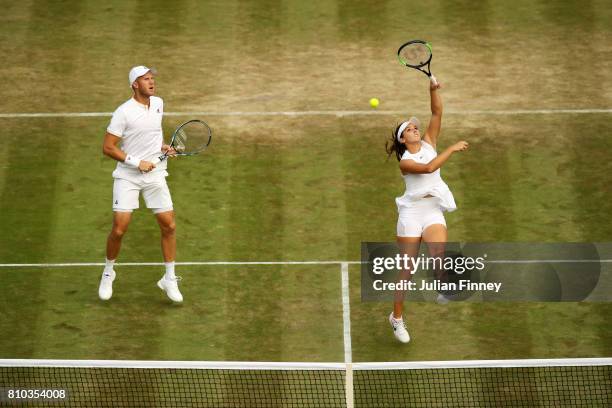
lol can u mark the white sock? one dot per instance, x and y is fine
(397, 319)
(109, 266)
(169, 271)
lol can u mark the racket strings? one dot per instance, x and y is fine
(192, 137)
(415, 55)
(179, 141)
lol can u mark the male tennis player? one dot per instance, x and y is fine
(134, 138)
(427, 195)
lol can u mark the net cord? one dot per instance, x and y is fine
(259, 365)
(416, 365)
(203, 365)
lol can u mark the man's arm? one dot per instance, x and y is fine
(435, 123)
(110, 148)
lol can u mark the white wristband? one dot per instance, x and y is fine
(132, 161)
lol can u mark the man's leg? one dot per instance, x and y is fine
(121, 220)
(168, 235)
(169, 283)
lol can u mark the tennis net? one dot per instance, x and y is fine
(486, 383)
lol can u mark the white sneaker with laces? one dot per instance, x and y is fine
(105, 290)
(170, 286)
(399, 329)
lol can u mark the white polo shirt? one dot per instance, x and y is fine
(140, 129)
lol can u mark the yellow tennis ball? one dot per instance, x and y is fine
(374, 102)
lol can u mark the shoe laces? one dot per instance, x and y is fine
(399, 323)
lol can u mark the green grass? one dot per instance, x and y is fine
(295, 188)
(271, 199)
(231, 313)
(274, 188)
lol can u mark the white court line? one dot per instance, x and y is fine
(88, 264)
(338, 113)
(346, 322)
(79, 264)
(536, 261)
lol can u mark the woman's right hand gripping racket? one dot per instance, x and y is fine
(192, 137)
(417, 54)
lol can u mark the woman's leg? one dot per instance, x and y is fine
(407, 246)
(436, 236)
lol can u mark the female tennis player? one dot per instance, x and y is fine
(427, 196)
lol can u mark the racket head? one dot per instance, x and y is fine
(192, 137)
(415, 54)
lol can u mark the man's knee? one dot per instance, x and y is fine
(118, 231)
(168, 228)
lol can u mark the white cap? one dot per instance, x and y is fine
(404, 125)
(137, 72)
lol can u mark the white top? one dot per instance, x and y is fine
(420, 185)
(140, 129)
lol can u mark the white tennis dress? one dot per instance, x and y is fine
(416, 212)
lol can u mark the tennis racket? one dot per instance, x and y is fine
(417, 54)
(192, 137)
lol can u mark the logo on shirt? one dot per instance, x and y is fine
(158, 111)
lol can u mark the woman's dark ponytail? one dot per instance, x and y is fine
(394, 146)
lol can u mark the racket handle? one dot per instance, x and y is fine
(158, 159)
(433, 79)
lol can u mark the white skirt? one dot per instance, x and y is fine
(446, 201)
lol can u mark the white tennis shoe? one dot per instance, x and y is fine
(105, 290)
(399, 329)
(170, 286)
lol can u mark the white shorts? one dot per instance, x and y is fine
(154, 191)
(419, 215)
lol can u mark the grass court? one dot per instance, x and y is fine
(526, 83)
